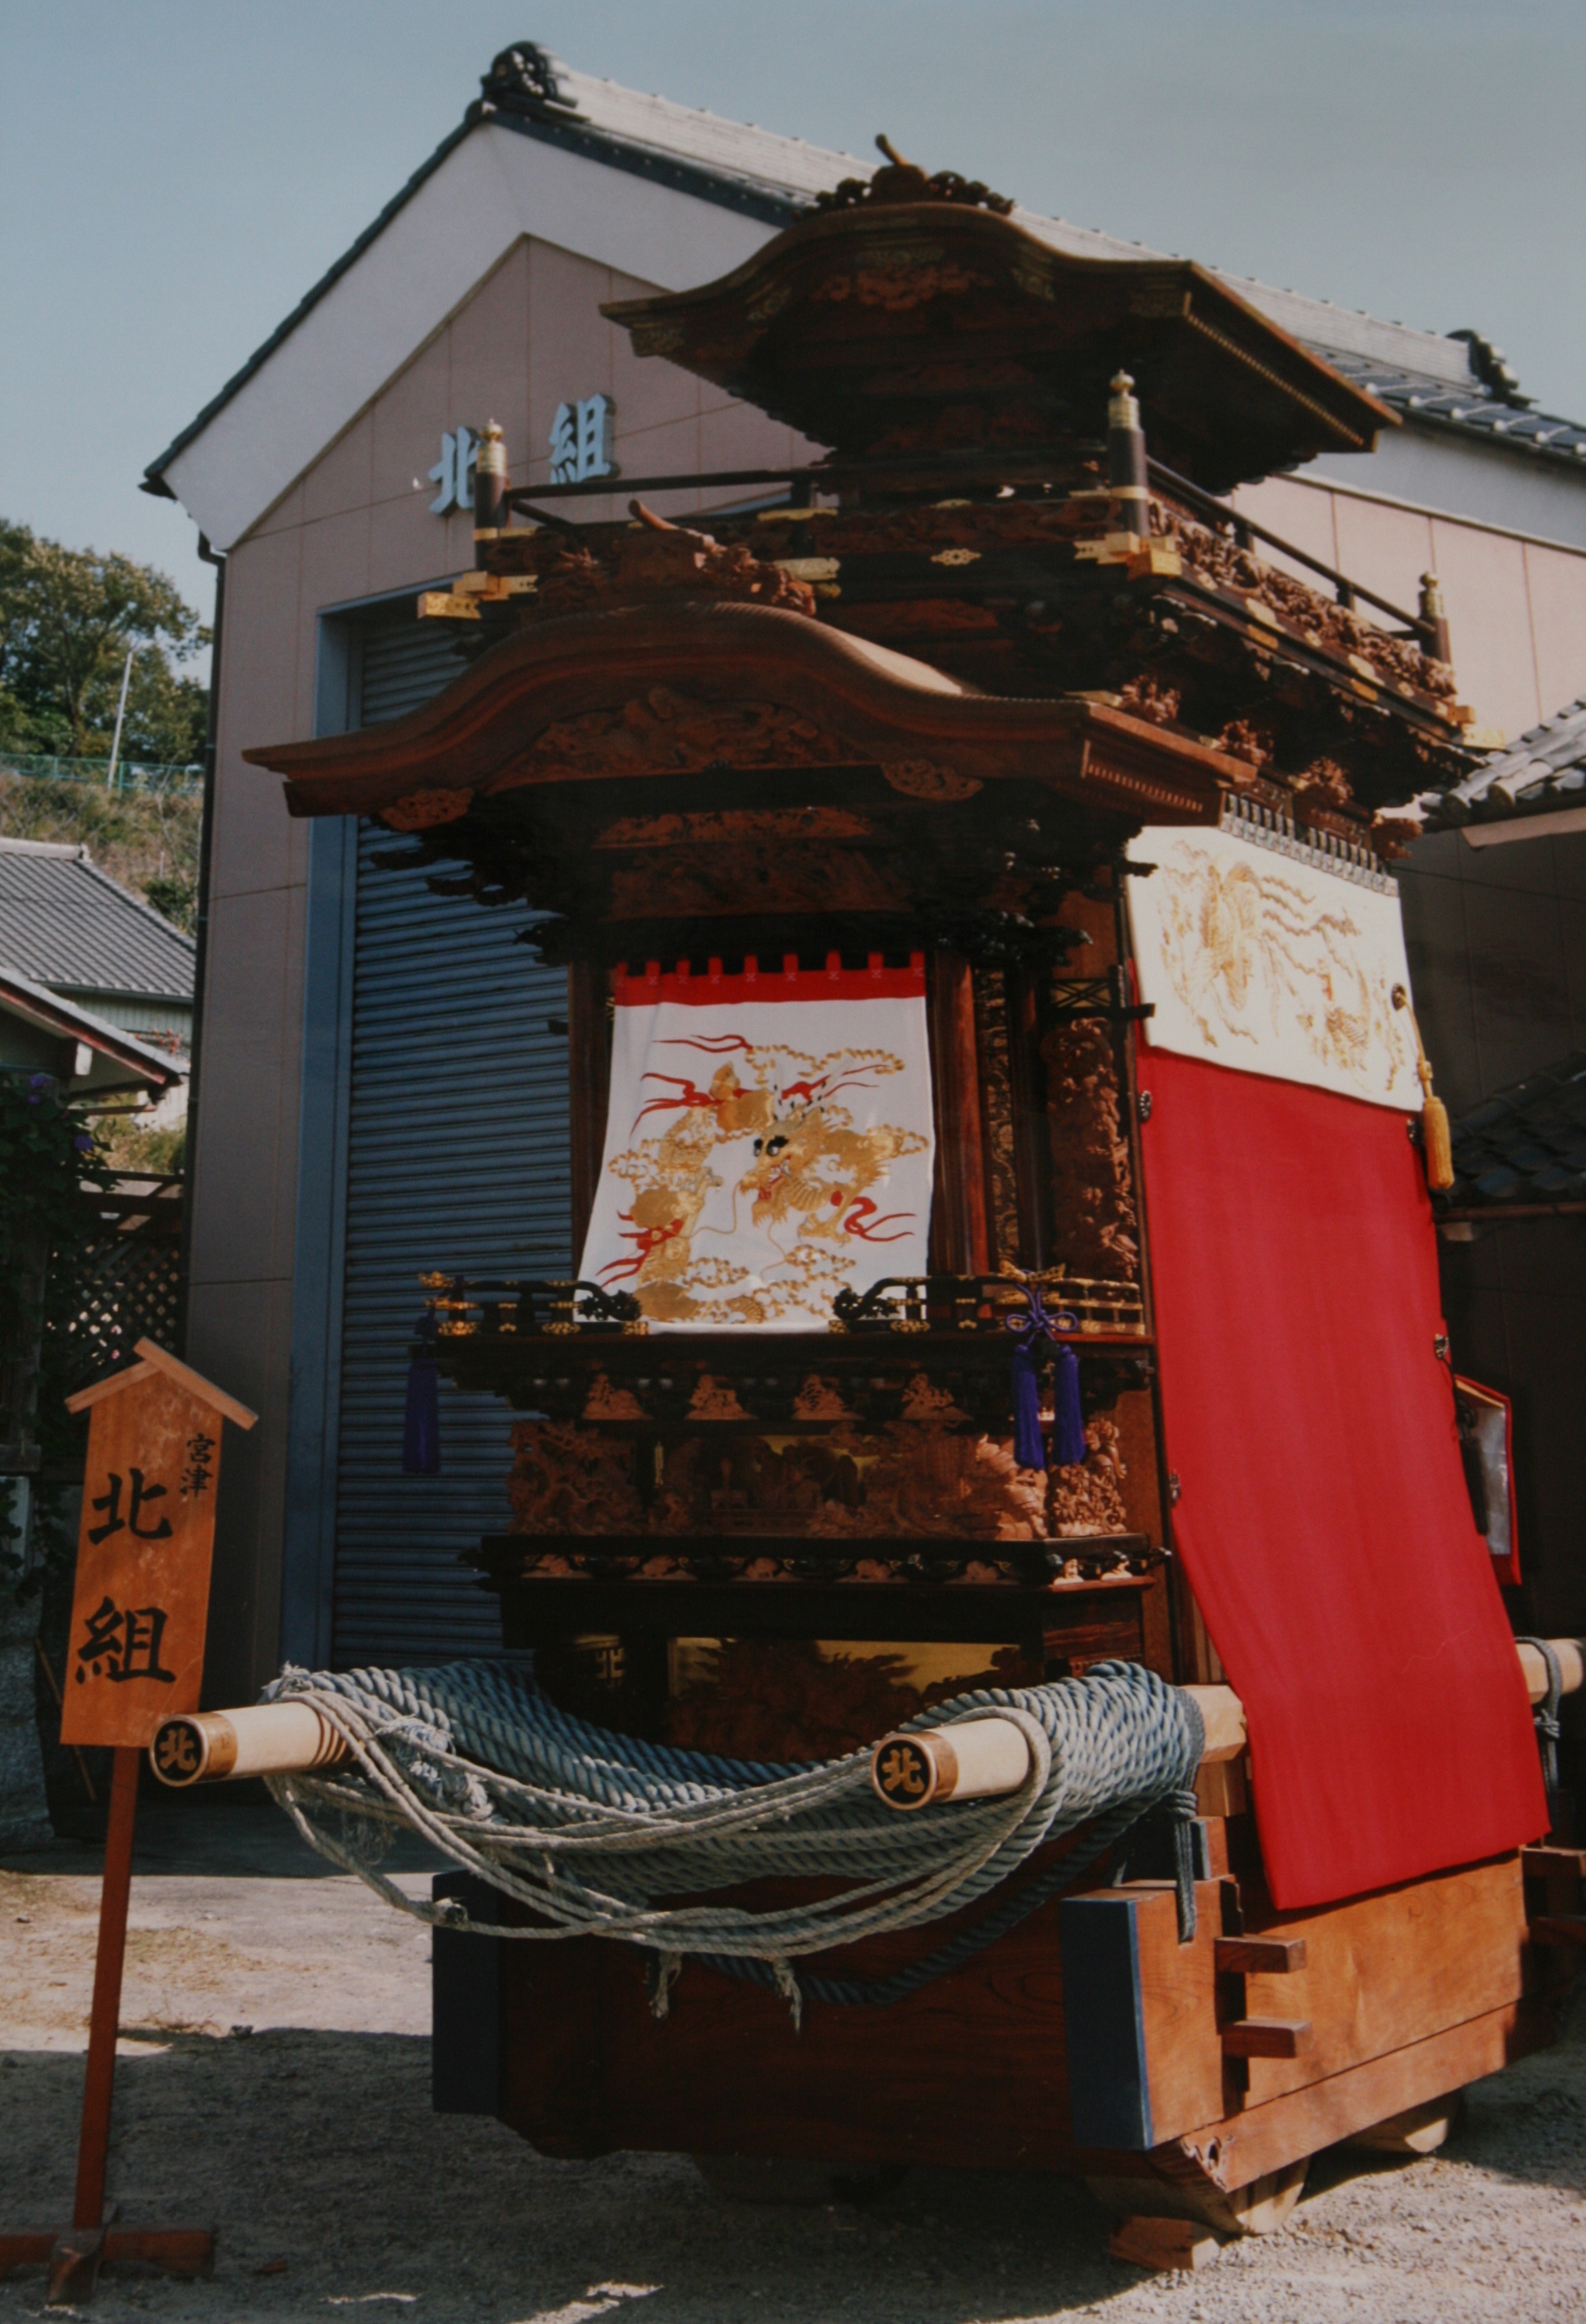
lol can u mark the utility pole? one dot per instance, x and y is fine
(120, 715)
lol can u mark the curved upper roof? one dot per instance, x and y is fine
(880, 324)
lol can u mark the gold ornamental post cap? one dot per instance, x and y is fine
(1122, 410)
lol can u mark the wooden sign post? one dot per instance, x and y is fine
(136, 1654)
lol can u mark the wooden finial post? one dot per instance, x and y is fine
(1434, 623)
(1128, 477)
(489, 489)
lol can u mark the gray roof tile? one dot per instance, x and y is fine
(1543, 771)
(66, 924)
(1528, 1144)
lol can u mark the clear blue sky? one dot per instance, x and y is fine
(175, 173)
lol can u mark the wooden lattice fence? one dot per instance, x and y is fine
(126, 1285)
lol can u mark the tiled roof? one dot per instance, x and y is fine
(1527, 1145)
(66, 924)
(1543, 772)
(1468, 407)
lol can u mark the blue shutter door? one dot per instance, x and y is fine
(457, 1159)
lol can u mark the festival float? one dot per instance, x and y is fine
(1006, 1664)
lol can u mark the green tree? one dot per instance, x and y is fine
(68, 618)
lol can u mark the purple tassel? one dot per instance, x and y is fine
(421, 1413)
(1068, 1420)
(1028, 1449)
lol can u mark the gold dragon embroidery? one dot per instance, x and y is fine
(1241, 943)
(797, 1165)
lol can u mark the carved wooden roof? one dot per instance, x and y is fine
(722, 765)
(892, 328)
(650, 693)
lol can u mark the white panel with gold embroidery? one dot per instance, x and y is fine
(1273, 961)
(768, 1144)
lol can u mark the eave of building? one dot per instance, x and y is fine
(35, 1005)
(499, 728)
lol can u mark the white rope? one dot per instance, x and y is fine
(586, 1829)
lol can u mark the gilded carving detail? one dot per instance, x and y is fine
(918, 779)
(914, 1480)
(663, 729)
(1088, 1497)
(1093, 1196)
(422, 810)
(714, 1400)
(820, 1399)
(568, 1479)
(760, 875)
(605, 1402)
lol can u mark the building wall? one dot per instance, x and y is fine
(1517, 603)
(358, 526)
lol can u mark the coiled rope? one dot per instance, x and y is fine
(587, 1828)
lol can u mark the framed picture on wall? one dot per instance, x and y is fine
(1487, 1442)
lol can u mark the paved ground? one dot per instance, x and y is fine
(274, 2085)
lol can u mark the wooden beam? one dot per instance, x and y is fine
(1247, 2144)
(1259, 1956)
(1267, 2037)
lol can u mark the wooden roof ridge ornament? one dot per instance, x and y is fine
(140, 1608)
(918, 316)
(905, 181)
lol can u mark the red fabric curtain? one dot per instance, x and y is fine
(1323, 1519)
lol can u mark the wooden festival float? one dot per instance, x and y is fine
(972, 877)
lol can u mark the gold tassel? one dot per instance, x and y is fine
(1436, 1143)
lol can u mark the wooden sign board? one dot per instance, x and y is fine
(144, 1543)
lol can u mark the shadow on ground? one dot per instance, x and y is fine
(317, 2158)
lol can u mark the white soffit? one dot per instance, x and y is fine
(493, 188)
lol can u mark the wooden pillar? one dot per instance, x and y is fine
(104, 2024)
(960, 1242)
(588, 1089)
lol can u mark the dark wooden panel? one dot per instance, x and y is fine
(467, 2049)
(971, 2067)
(1088, 1622)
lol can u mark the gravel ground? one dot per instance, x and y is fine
(275, 2086)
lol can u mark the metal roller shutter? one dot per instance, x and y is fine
(457, 1158)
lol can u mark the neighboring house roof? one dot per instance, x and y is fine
(68, 926)
(120, 1060)
(1528, 1144)
(488, 182)
(1466, 406)
(1537, 786)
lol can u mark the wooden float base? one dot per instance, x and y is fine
(1088, 2041)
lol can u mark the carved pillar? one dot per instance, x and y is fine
(588, 1089)
(959, 1240)
(1005, 1230)
(1027, 1090)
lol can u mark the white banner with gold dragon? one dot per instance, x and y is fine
(1265, 953)
(769, 1143)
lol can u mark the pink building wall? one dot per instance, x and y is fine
(355, 525)
(1517, 607)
